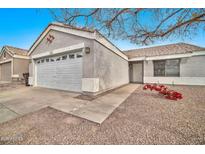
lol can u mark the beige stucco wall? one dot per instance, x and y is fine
(193, 67)
(192, 72)
(20, 66)
(111, 69)
(64, 40)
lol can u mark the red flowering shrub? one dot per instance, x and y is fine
(169, 94)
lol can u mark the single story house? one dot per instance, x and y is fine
(13, 63)
(180, 64)
(82, 60)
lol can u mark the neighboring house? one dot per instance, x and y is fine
(180, 63)
(76, 59)
(13, 63)
(82, 60)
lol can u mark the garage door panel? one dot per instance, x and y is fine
(5, 72)
(63, 74)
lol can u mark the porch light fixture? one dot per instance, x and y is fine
(87, 50)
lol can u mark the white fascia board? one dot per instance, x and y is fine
(61, 50)
(109, 45)
(88, 35)
(6, 61)
(137, 59)
(62, 29)
(15, 76)
(4, 49)
(21, 57)
(162, 57)
(39, 40)
(80, 33)
(9, 51)
(169, 56)
(198, 53)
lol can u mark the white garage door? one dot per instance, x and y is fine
(61, 72)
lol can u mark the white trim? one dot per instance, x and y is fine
(90, 35)
(99, 38)
(12, 67)
(39, 40)
(198, 53)
(169, 56)
(176, 80)
(15, 76)
(4, 49)
(6, 61)
(62, 29)
(90, 84)
(34, 73)
(21, 57)
(9, 51)
(30, 81)
(58, 51)
(138, 59)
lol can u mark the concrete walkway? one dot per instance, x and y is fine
(25, 100)
(6, 114)
(99, 109)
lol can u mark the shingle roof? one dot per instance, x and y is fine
(178, 48)
(17, 51)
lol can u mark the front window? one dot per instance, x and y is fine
(42, 60)
(169, 68)
(52, 60)
(79, 55)
(64, 57)
(71, 56)
(58, 59)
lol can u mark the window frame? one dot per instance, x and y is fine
(42, 60)
(165, 72)
(79, 55)
(52, 60)
(64, 57)
(71, 54)
(154, 71)
(58, 59)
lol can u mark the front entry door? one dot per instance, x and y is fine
(137, 72)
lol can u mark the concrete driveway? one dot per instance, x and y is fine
(24, 100)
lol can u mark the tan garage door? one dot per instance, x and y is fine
(5, 71)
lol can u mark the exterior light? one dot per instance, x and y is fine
(87, 50)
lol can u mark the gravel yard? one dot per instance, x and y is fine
(144, 118)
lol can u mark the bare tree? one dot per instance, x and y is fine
(140, 26)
